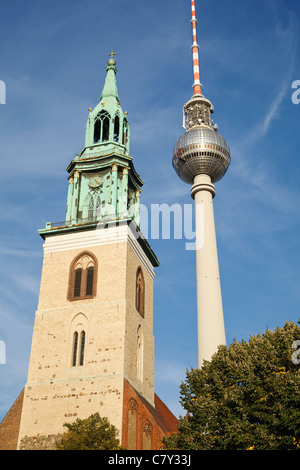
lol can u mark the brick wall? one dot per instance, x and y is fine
(151, 424)
(9, 427)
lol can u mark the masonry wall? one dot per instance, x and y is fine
(134, 320)
(9, 427)
(56, 392)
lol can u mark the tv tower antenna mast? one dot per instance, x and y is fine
(195, 49)
(201, 157)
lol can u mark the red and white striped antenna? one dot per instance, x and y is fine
(195, 48)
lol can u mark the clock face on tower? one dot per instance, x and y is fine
(95, 182)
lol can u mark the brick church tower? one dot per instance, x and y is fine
(93, 346)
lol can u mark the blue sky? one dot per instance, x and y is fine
(52, 59)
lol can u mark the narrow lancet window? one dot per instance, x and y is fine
(97, 130)
(79, 340)
(75, 346)
(116, 129)
(98, 207)
(105, 136)
(140, 292)
(91, 209)
(89, 280)
(77, 282)
(125, 132)
(82, 345)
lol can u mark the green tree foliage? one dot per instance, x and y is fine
(93, 433)
(247, 397)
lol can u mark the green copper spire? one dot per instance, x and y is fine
(107, 125)
(110, 87)
(103, 183)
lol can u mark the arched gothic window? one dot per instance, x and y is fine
(78, 335)
(116, 129)
(91, 209)
(101, 128)
(78, 349)
(140, 292)
(105, 131)
(75, 348)
(125, 132)
(97, 131)
(147, 436)
(77, 281)
(82, 346)
(82, 278)
(132, 425)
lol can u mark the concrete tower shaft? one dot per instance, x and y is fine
(211, 329)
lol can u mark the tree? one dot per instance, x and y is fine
(93, 433)
(247, 397)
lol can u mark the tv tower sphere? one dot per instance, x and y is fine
(201, 150)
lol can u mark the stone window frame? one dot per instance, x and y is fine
(84, 277)
(78, 340)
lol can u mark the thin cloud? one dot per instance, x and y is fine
(261, 130)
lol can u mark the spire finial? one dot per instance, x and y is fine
(111, 54)
(195, 48)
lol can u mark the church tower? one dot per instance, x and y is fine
(93, 346)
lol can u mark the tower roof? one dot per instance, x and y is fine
(107, 126)
(110, 89)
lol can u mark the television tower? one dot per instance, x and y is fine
(201, 157)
